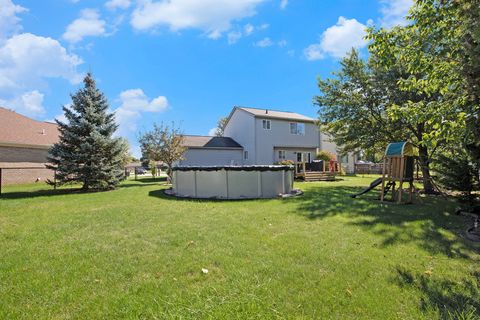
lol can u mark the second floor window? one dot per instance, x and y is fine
(297, 128)
(266, 124)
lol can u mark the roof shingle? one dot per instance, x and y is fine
(210, 142)
(266, 113)
(18, 129)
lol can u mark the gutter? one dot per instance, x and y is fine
(24, 145)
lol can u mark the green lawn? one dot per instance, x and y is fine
(135, 253)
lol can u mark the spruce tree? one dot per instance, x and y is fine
(87, 153)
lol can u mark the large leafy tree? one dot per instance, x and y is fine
(455, 27)
(87, 153)
(396, 95)
(163, 143)
(352, 106)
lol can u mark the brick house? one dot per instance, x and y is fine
(24, 142)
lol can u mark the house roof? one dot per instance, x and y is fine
(267, 113)
(210, 142)
(16, 129)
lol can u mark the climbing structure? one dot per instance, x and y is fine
(398, 167)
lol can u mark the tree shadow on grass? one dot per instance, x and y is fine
(149, 179)
(161, 195)
(11, 195)
(451, 299)
(34, 193)
(428, 222)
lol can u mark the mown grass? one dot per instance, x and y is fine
(135, 253)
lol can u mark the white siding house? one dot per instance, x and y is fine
(269, 136)
(262, 137)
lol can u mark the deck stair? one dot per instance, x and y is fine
(310, 176)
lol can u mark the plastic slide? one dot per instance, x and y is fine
(375, 183)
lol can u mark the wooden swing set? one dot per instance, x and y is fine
(398, 167)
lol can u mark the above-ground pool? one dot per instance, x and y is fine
(232, 182)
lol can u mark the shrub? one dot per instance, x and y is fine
(325, 155)
(286, 163)
(458, 172)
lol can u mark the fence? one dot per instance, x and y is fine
(368, 168)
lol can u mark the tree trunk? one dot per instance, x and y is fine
(425, 167)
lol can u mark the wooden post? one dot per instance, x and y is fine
(55, 179)
(402, 176)
(410, 192)
(401, 170)
(382, 195)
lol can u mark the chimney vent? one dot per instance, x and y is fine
(266, 111)
(43, 131)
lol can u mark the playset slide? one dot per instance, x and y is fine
(372, 186)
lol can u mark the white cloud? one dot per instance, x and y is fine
(29, 103)
(212, 132)
(282, 43)
(234, 36)
(9, 22)
(136, 100)
(248, 29)
(265, 42)
(263, 26)
(133, 103)
(394, 12)
(283, 4)
(88, 24)
(27, 60)
(117, 4)
(337, 40)
(211, 16)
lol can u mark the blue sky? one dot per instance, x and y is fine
(187, 61)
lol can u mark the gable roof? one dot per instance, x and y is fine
(210, 142)
(16, 129)
(274, 114)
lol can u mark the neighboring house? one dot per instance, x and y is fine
(23, 139)
(209, 151)
(264, 137)
(24, 142)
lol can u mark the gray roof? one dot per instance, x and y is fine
(286, 115)
(210, 142)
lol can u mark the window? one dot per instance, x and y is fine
(304, 156)
(281, 155)
(344, 159)
(299, 157)
(297, 128)
(245, 155)
(266, 124)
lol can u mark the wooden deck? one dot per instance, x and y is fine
(310, 176)
(309, 173)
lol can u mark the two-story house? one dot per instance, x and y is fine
(262, 137)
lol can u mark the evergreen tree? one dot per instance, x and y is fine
(87, 153)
